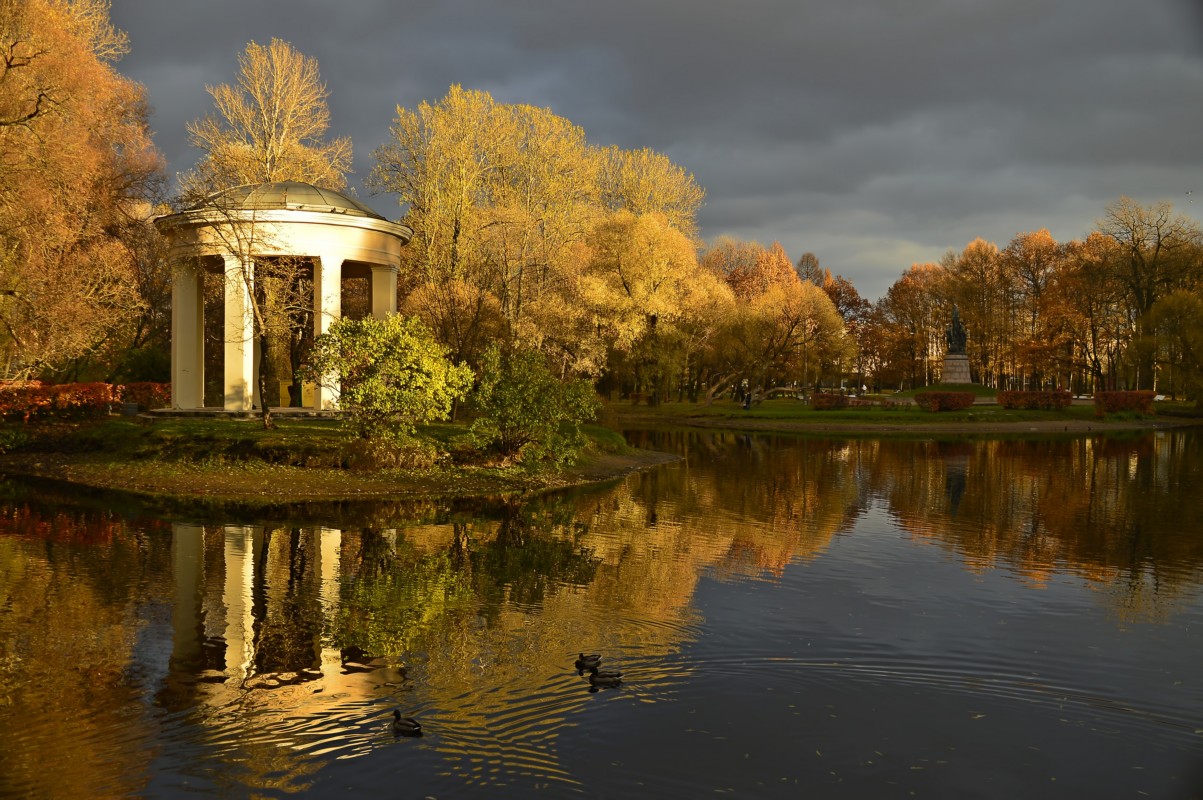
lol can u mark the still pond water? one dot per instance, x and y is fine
(793, 618)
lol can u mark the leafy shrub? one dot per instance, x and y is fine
(147, 394)
(822, 401)
(944, 401)
(528, 414)
(61, 401)
(402, 452)
(392, 373)
(1048, 401)
(1123, 402)
(12, 439)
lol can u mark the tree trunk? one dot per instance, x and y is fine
(265, 411)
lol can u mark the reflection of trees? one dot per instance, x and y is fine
(1117, 511)
(290, 623)
(761, 500)
(68, 584)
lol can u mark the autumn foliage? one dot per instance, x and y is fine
(944, 401)
(1035, 400)
(1123, 403)
(78, 166)
(34, 401)
(146, 394)
(824, 401)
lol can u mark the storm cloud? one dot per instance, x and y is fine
(873, 133)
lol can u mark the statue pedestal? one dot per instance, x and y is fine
(956, 369)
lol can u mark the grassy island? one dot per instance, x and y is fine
(299, 460)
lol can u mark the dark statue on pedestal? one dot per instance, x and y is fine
(956, 362)
(956, 334)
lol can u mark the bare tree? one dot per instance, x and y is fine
(268, 127)
(1159, 256)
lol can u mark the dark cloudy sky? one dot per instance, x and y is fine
(874, 133)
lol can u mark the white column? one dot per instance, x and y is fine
(187, 335)
(327, 308)
(239, 334)
(384, 290)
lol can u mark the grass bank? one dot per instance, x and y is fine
(238, 461)
(787, 414)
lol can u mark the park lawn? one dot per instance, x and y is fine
(976, 389)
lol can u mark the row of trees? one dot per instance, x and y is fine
(526, 233)
(1122, 308)
(589, 254)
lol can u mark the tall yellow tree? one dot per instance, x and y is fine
(786, 333)
(1032, 261)
(442, 160)
(269, 126)
(640, 271)
(978, 284)
(1090, 305)
(543, 204)
(646, 182)
(912, 319)
(639, 285)
(508, 202)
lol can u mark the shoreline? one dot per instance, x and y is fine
(760, 424)
(255, 487)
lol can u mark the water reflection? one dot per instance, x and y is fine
(250, 656)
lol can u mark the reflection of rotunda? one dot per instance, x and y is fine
(331, 236)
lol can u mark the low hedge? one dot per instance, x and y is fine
(1140, 402)
(1044, 401)
(944, 401)
(823, 401)
(147, 395)
(62, 401)
(35, 400)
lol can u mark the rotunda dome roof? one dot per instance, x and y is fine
(290, 195)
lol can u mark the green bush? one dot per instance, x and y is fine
(12, 439)
(526, 413)
(392, 373)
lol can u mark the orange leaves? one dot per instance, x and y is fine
(63, 401)
(68, 182)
